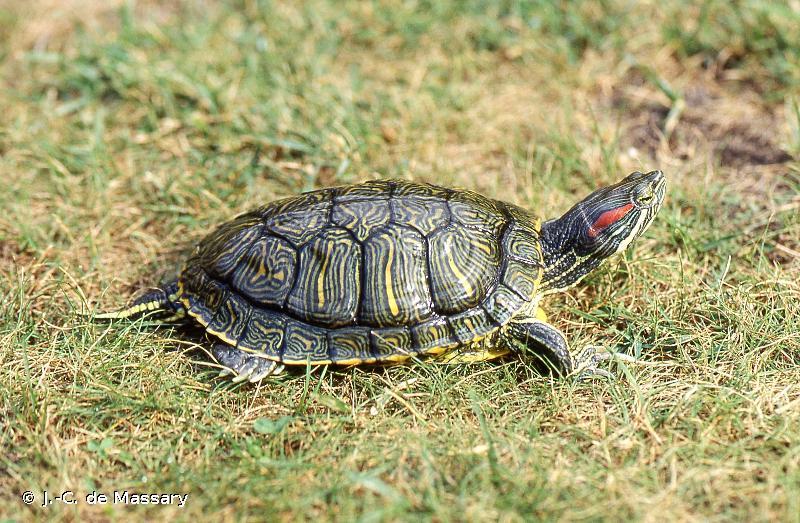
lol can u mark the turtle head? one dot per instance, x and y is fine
(601, 225)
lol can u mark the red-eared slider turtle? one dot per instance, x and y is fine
(384, 271)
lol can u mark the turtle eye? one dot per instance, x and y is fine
(646, 198)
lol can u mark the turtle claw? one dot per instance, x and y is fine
(588, 359)
(244, 366)
(589, 373)
(266, 368)
(244, 374)
(255, 377)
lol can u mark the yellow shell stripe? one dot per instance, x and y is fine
(361, 217)
(395, 279)
(387, 273)
(425, 215)
(461, 267)
(326, 291)
(321, 277)
(462, 279)
(266, 271)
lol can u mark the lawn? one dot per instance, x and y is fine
(128, 129)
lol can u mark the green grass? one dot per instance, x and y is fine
(762, 36)
(126, 131)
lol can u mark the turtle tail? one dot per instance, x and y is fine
(162, 301)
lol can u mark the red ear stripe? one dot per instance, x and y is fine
(607, 218)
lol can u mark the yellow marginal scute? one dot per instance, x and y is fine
(306, 362)
(355, 361)
(396, 357)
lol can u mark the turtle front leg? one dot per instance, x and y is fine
(531, 335)
(244, 365)
(535, 335)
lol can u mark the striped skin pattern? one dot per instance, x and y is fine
(379, 271)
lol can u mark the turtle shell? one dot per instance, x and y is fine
(378, 271)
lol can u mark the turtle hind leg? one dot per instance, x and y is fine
(162, 300)
(244, 365)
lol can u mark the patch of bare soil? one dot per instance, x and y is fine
(785, 250)
(11, 253)
(736, 128)
(730, 127)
